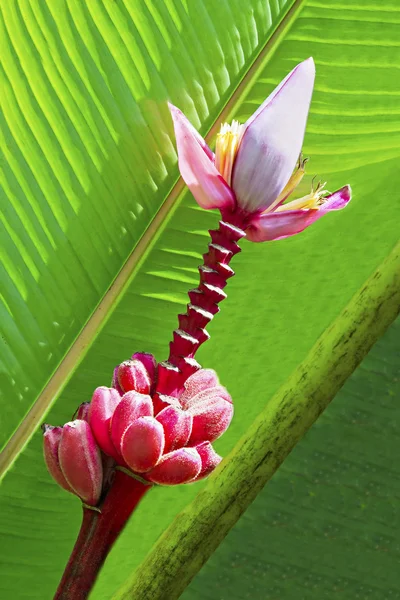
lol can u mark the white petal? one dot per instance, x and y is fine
(272, 140)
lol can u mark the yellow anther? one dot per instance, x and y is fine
(227, 145)
(314, 200)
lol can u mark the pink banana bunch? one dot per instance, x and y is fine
(158, 438)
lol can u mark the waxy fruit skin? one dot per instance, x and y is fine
(132, 406)
(164, 439)
(51, 442)
(132, 375)
(142, 444)
(161, 438)
(74, 460)
(104, 402)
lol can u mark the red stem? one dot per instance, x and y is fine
(203, 305)
(97, 534)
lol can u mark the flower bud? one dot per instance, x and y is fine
(80, 461)
(132, 406)
(51, 442)
(179, 466)
(133, 375)
(142, 444)
(102, 406)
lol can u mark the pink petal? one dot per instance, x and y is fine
(337, 200)
(276, 226)
(80, 461)
(209, 459)
(196, 164)
(212, 412)
(176, 113)
(142, 444)
(179, 466)
(51, 441)
(272, 141)
(177, 426)
(101, 409)
(199, 381)
(132, 407)
(279, 225)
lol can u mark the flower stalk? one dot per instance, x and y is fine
(203, 305)
(99, 529)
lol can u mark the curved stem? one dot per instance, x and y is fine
(203, 305)
(98, 532)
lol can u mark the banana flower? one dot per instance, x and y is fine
(257, 165)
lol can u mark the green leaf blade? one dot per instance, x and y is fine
(89, 154)
(294, 288)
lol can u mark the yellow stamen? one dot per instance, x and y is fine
(314, 200)
(226, 148)
(292, 184)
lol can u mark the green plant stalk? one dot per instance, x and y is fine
(202, 525)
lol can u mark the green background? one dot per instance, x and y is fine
(327, 525)
(89, 159)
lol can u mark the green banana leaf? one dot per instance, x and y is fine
(326, 526)
(93, 272)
